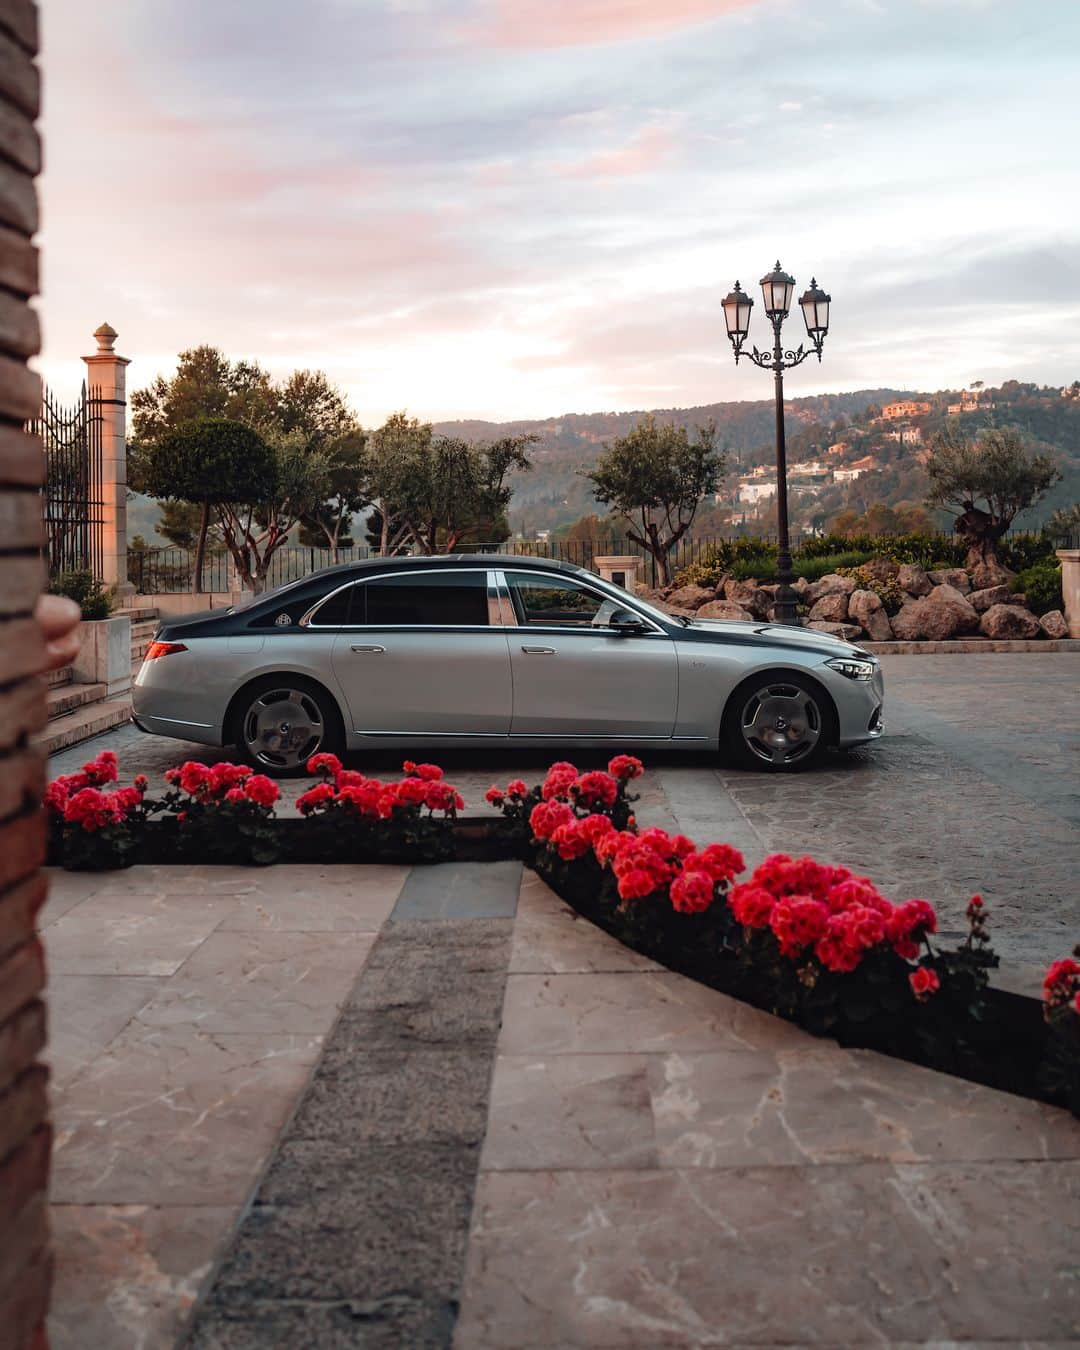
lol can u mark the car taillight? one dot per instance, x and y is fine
(157, 649)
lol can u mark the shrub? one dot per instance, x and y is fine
(1025, 550)
(88, 593)
(1041, 585)
(1060, 1072)
(726, 558)
(888, 592)
(91, 829)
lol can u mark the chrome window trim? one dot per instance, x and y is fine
(490, 587)
(654, 627)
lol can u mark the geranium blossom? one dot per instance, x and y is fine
(692, 892)
(626, 767)
(924, 982)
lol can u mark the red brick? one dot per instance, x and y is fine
(22, 712)
(22, 1039)
(18, 263)
(19, 138)
(22, 652)
(22, 849)
(23, 1174)
(24, 1246)
(22, 978)
(22, 781)
(23, 1107)
(20, 332)
(19, 909)
(20, 390)
(22, 462)
(21, 526)
(18, 200)
(20, 19)
(20, 82)
(22, 579)
(26, 1305)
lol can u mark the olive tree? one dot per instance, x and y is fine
(987, 481)
(656, 477)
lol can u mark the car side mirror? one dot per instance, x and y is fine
(626, 622)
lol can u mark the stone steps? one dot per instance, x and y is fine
(55, 678)
(65, 698)
(84, 722)
(138, 615)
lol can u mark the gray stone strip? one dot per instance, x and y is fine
(357, 1234)
(460, 891)
(972, 646)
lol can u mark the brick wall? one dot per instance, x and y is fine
(25, 1261)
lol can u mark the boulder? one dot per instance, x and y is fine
(865, 608)
(848, 631)
(936, 617)
(674, 609)
(1018, 598)
(882, 569)
(749, 595)
(986, 574)
(1054, 625)
(828, 585)
(691, 597)
(800, 586)
(723, 609)
(1009, 621)
(991, 595)
(831, 608)
(913, 579)
(952, 576)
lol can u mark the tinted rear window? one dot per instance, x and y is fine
(443, 600)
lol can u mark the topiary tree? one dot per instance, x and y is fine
(996, 470)
(656, 477)
(215, 462)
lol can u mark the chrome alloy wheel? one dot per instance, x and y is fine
(781, 724)
(283, 728)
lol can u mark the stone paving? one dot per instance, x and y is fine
(395, 1109)
(975, 787)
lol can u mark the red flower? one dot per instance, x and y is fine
(350, 778)
(908, 924)
(440, 796)
(141, 782)
(560, 779)
(570, 840)
(596, 789)
(90, 809)
(101, 770)
(192, 776)
(751, 905)
(798, 922)
(975, 907)
(234, 794)
(636, 883)
(626, 767)
(325, 763)
(261, 790)
(595, 827)
(412, 791)
(546, 818)
(56, 797)
(431, 773)
(495, 796)
(721, 861)
(692, 892)
(1061, 981)
(409, 767)
(924, 982)
(517, 788)
(320, 795)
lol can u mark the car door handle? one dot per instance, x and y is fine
(367, 649)
(539, 651)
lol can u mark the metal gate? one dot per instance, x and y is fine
(72, 497)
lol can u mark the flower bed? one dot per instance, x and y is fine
(810, 942)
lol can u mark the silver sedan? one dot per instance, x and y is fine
(495, 650)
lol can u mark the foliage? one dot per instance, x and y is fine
(1020, 551)
(326, 523)
(223, 812)
(988, 481)
(1060, 1071)
(91, 830)
(1041, 586)
(1063, 525)
(90, 594)
(656, 477)
(885, 588)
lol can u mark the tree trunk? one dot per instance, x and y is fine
(200, 547)
(981, 533)
(384, 535)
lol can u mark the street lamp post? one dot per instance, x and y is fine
(777, 288)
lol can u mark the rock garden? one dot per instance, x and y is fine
(880, 598)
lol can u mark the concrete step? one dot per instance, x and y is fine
(79, 726)
(144, 628)
(138, 615)
(55, 678)
(65, 698)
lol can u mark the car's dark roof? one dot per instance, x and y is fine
(444, 560)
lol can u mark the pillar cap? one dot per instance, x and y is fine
(106, 338)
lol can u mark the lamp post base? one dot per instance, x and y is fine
(786, 604)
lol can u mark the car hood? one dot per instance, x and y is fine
(777, 635)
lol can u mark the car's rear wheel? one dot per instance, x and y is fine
(280, 722)
(778, 722)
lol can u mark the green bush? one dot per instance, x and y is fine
(87, 592)
(1025, 550)
(1041, 584)
(888, 592)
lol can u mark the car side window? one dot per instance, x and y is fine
(332, 612)
(424, 600)
(548, 602)
(335, 610)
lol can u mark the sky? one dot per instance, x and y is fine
(522, 208)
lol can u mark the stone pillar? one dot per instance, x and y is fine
(1070, 587)
(106, 380)
(621, 568)
(25, 1137)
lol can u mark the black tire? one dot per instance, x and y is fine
(302, 703)
(778, 722)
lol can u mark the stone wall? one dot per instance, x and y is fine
(25, 1260)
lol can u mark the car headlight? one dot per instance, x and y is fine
(852, 667)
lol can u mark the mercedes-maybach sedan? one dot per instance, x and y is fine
(495, 650)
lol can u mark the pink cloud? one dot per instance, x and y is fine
(572, 23)
(645, 151)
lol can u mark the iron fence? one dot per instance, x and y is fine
(72, 502)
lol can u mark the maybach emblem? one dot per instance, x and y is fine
(283, 620)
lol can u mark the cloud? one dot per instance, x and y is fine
(647, 150)
(571, 23)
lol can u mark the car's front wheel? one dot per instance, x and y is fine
(778, 722)
(280, 722)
